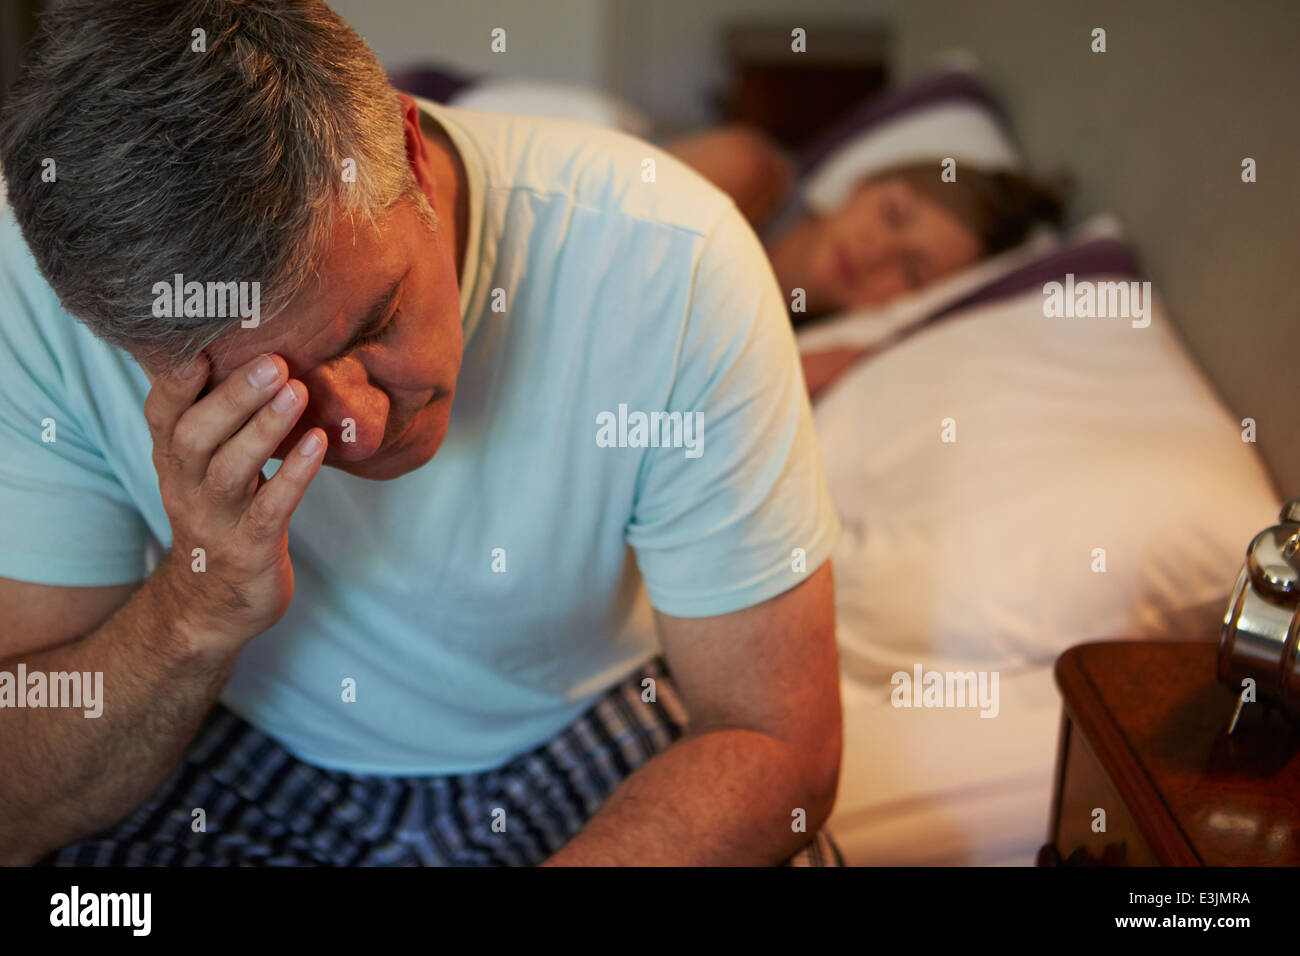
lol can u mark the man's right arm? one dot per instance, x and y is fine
(166, 647)
(68, 775)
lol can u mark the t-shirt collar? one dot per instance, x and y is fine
(472, 160)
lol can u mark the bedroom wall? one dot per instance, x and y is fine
(1155, 130)
(664, 56)
(560, 40)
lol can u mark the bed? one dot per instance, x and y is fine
(1072, 501)
(1072, 506)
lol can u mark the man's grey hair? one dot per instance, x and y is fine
(224, 165)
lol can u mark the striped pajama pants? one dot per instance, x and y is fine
(263, 806)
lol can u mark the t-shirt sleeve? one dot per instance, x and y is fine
(746, 514)
(65, 518)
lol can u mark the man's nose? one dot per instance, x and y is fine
(352, 412)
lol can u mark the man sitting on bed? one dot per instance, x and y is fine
(277, 263)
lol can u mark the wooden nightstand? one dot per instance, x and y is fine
(1143, 737)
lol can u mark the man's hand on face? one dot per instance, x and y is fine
(209, 451)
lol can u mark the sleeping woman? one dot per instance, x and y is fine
(896, 232)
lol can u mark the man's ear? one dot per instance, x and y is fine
(417, 150)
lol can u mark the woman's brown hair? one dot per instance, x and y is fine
(999, 207)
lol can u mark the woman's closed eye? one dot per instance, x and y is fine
(891, 211)
(913, 274)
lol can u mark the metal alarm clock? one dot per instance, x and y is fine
(1260, 638)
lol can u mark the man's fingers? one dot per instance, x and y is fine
(269, 512)
(170, 394)
(215, 417)
(237, 463)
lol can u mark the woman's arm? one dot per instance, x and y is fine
(744, 163)
(822, 368)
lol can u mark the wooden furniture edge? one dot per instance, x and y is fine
(1169, 844)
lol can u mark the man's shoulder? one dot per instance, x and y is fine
(42, 344)
(597, 168)
(15, 257)
(25, 297)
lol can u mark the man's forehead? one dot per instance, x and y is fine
(296, 331)
(363, 262)
(317, 322)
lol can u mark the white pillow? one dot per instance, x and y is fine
(1072, 435)
(964, 131)
(541, 98)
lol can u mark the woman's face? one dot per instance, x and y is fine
(885, 240)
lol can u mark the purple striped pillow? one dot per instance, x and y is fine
(1093, 257)
(431, 82)
(923, 93)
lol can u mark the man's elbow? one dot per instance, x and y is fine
(824, 788)
(19, 850)
(820, 772)
(822, 751)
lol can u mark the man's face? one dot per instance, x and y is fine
(377, 341)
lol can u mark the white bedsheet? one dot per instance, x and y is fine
(936, 787)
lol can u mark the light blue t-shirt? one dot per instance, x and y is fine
(482, 602)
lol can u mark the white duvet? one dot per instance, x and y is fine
(1097, 487)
